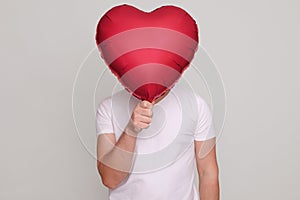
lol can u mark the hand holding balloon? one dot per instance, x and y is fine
(140, 119)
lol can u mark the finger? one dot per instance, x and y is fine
(143, 125)
(146, 104)
(145, 112)
(144, 119)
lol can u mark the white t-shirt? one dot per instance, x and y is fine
(164, 165)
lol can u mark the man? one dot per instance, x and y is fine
(183, 118)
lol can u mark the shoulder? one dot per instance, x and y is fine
(203, 108)
(106, 100)
(105, 104)
(200, 100)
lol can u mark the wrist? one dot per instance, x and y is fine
(131, 129)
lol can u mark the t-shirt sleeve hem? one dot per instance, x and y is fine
(204, 138)
(105, 131)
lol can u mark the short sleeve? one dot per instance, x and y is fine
(205, 127)
(104, 117)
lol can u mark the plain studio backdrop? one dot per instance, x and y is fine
(255, 45)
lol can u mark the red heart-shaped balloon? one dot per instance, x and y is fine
(147, 51)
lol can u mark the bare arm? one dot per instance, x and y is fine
(207, 168)
(115, 158)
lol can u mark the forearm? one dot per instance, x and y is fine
(115, 159)
(117, 163)
(209, 187)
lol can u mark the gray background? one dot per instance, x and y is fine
(254, 43)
